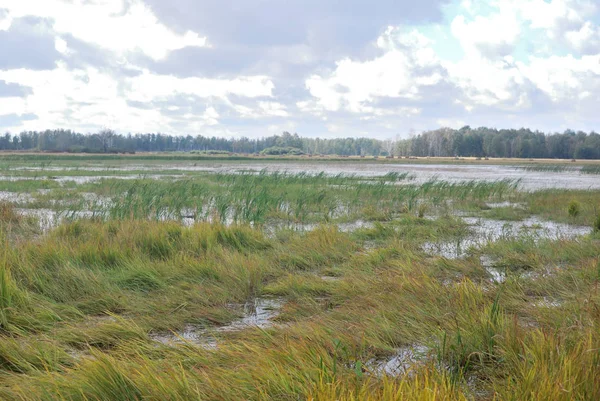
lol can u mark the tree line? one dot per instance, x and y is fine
(464, 142)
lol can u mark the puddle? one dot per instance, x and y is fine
(15, 197)
(49, 219)
(189, 335)
(330, 278)
(272, 228)
(450, 249)
(91, 179)
(258, 313)
(487, 230)
(399, 363)
(496, 205)
(489, 264)
(547, 302)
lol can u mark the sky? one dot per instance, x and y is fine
(329, 68)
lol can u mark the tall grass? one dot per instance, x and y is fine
(552, 168)
(83, 307)
(259, 198)
(590, 169)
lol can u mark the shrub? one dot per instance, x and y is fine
(422, 210)
(276, 150)
(574, 208)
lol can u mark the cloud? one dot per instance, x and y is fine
(118, 25)
(13, 90)
(586, 39)
(148, 86)
(15, 120)
(26, 43)
(5, 20)
(91, 97)
(329, 68)
(490, 36)
(406, 65)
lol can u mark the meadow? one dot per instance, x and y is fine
(124, 278)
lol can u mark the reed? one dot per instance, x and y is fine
(146, 291)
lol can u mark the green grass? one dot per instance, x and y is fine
(590, 169)
(81, 306)
(553, 168)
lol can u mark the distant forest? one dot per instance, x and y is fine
(465, 142)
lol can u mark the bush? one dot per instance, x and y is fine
(574, 209)
(276, 150)
(597, 224)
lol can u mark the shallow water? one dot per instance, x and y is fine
(547, 302)
(488, 230)
(15, 197)
(529, 180)
(504, 204)
(49, 219)
(400, 362)
(257, 313)
(347, 227)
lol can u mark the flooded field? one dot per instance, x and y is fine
(171, 278)
(529, 179)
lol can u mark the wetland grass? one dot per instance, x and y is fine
(83, 306)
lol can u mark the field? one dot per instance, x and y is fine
(165, 278)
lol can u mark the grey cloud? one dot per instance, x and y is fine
(281, 38)
(28, 44)
(15, 120)
(13, 90)
(194, 61)
(85, 55)
(230, 60)
(275, 22)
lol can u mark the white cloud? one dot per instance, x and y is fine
(487, 76)
(273, 109)
(210, 117)
(88, 99)
(279, 128)
(399, 73)
(12, 105)
(115, 25)
(492, 36)
(451, 123)
(563, 21)
(485, 82)
(565, 79)
(586, 38)
(5, 22)
(61, 46)
(263, 109)
(148, 86)
(506, 60)
(555, 14)
(490, 76)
